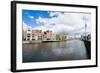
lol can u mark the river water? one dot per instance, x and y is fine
(54, 51)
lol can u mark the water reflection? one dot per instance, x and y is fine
(54, 51)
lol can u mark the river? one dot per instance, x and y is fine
(54, 51)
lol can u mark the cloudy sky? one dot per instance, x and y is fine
(58, 22)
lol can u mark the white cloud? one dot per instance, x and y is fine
(54, 13)
(31, 17)
(60, 28)
(43, 28)
(65, 22)
(25, 26)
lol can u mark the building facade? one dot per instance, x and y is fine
(47, 35)
(30, 34)
(36, 34)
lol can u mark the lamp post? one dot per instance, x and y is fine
(85, 19)
(41, 24)
(85, 28)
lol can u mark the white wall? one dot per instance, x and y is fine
(5, 36)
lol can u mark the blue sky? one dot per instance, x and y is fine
(58, 22)
(30, 16)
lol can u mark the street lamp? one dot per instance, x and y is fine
(85, 20)
(41, 24)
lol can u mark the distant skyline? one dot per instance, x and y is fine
(58, 22)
